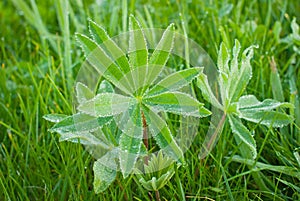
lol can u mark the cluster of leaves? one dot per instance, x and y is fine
(113, 123)
(234, 75)
(293, 39)
(133, 109)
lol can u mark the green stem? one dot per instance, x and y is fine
(208, 145)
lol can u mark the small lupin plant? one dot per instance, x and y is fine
(116, 125)
(234, 75)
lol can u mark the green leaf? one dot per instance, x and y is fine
(162, 135)
(84, 138)
(234, 65)
(157, 183)
(79, 123)
(243, 134)
(295, 35)
(250, 103)
(86, 44)
(161, 54)
(105, 65)
(175, 81)
(262, 112)
(115, 52)
(130, 140)
(177, 103)
(138, 51)
(223, 59)
(104, 172)
(106, 104)
(207, 93)
(105, 86)
(55, 118)
(239, 78)
(158, 164)
(83, 93)
(268, 118)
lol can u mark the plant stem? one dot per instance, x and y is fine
(157, 196)
(145, 137)
(208, 145)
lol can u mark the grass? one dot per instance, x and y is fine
(39, 61)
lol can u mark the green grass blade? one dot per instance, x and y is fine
(291, 171)
(275, 82)
(62, 10)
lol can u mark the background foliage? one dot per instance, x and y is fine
(39, 61)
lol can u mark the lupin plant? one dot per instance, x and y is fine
(117, 120)
(235, 72)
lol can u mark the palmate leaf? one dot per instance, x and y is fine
(243, 134)
(157, 183)
(177, 103)
(130, 141)
(106, 104)
(175, 81)
(162, 135)
(157, 172)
